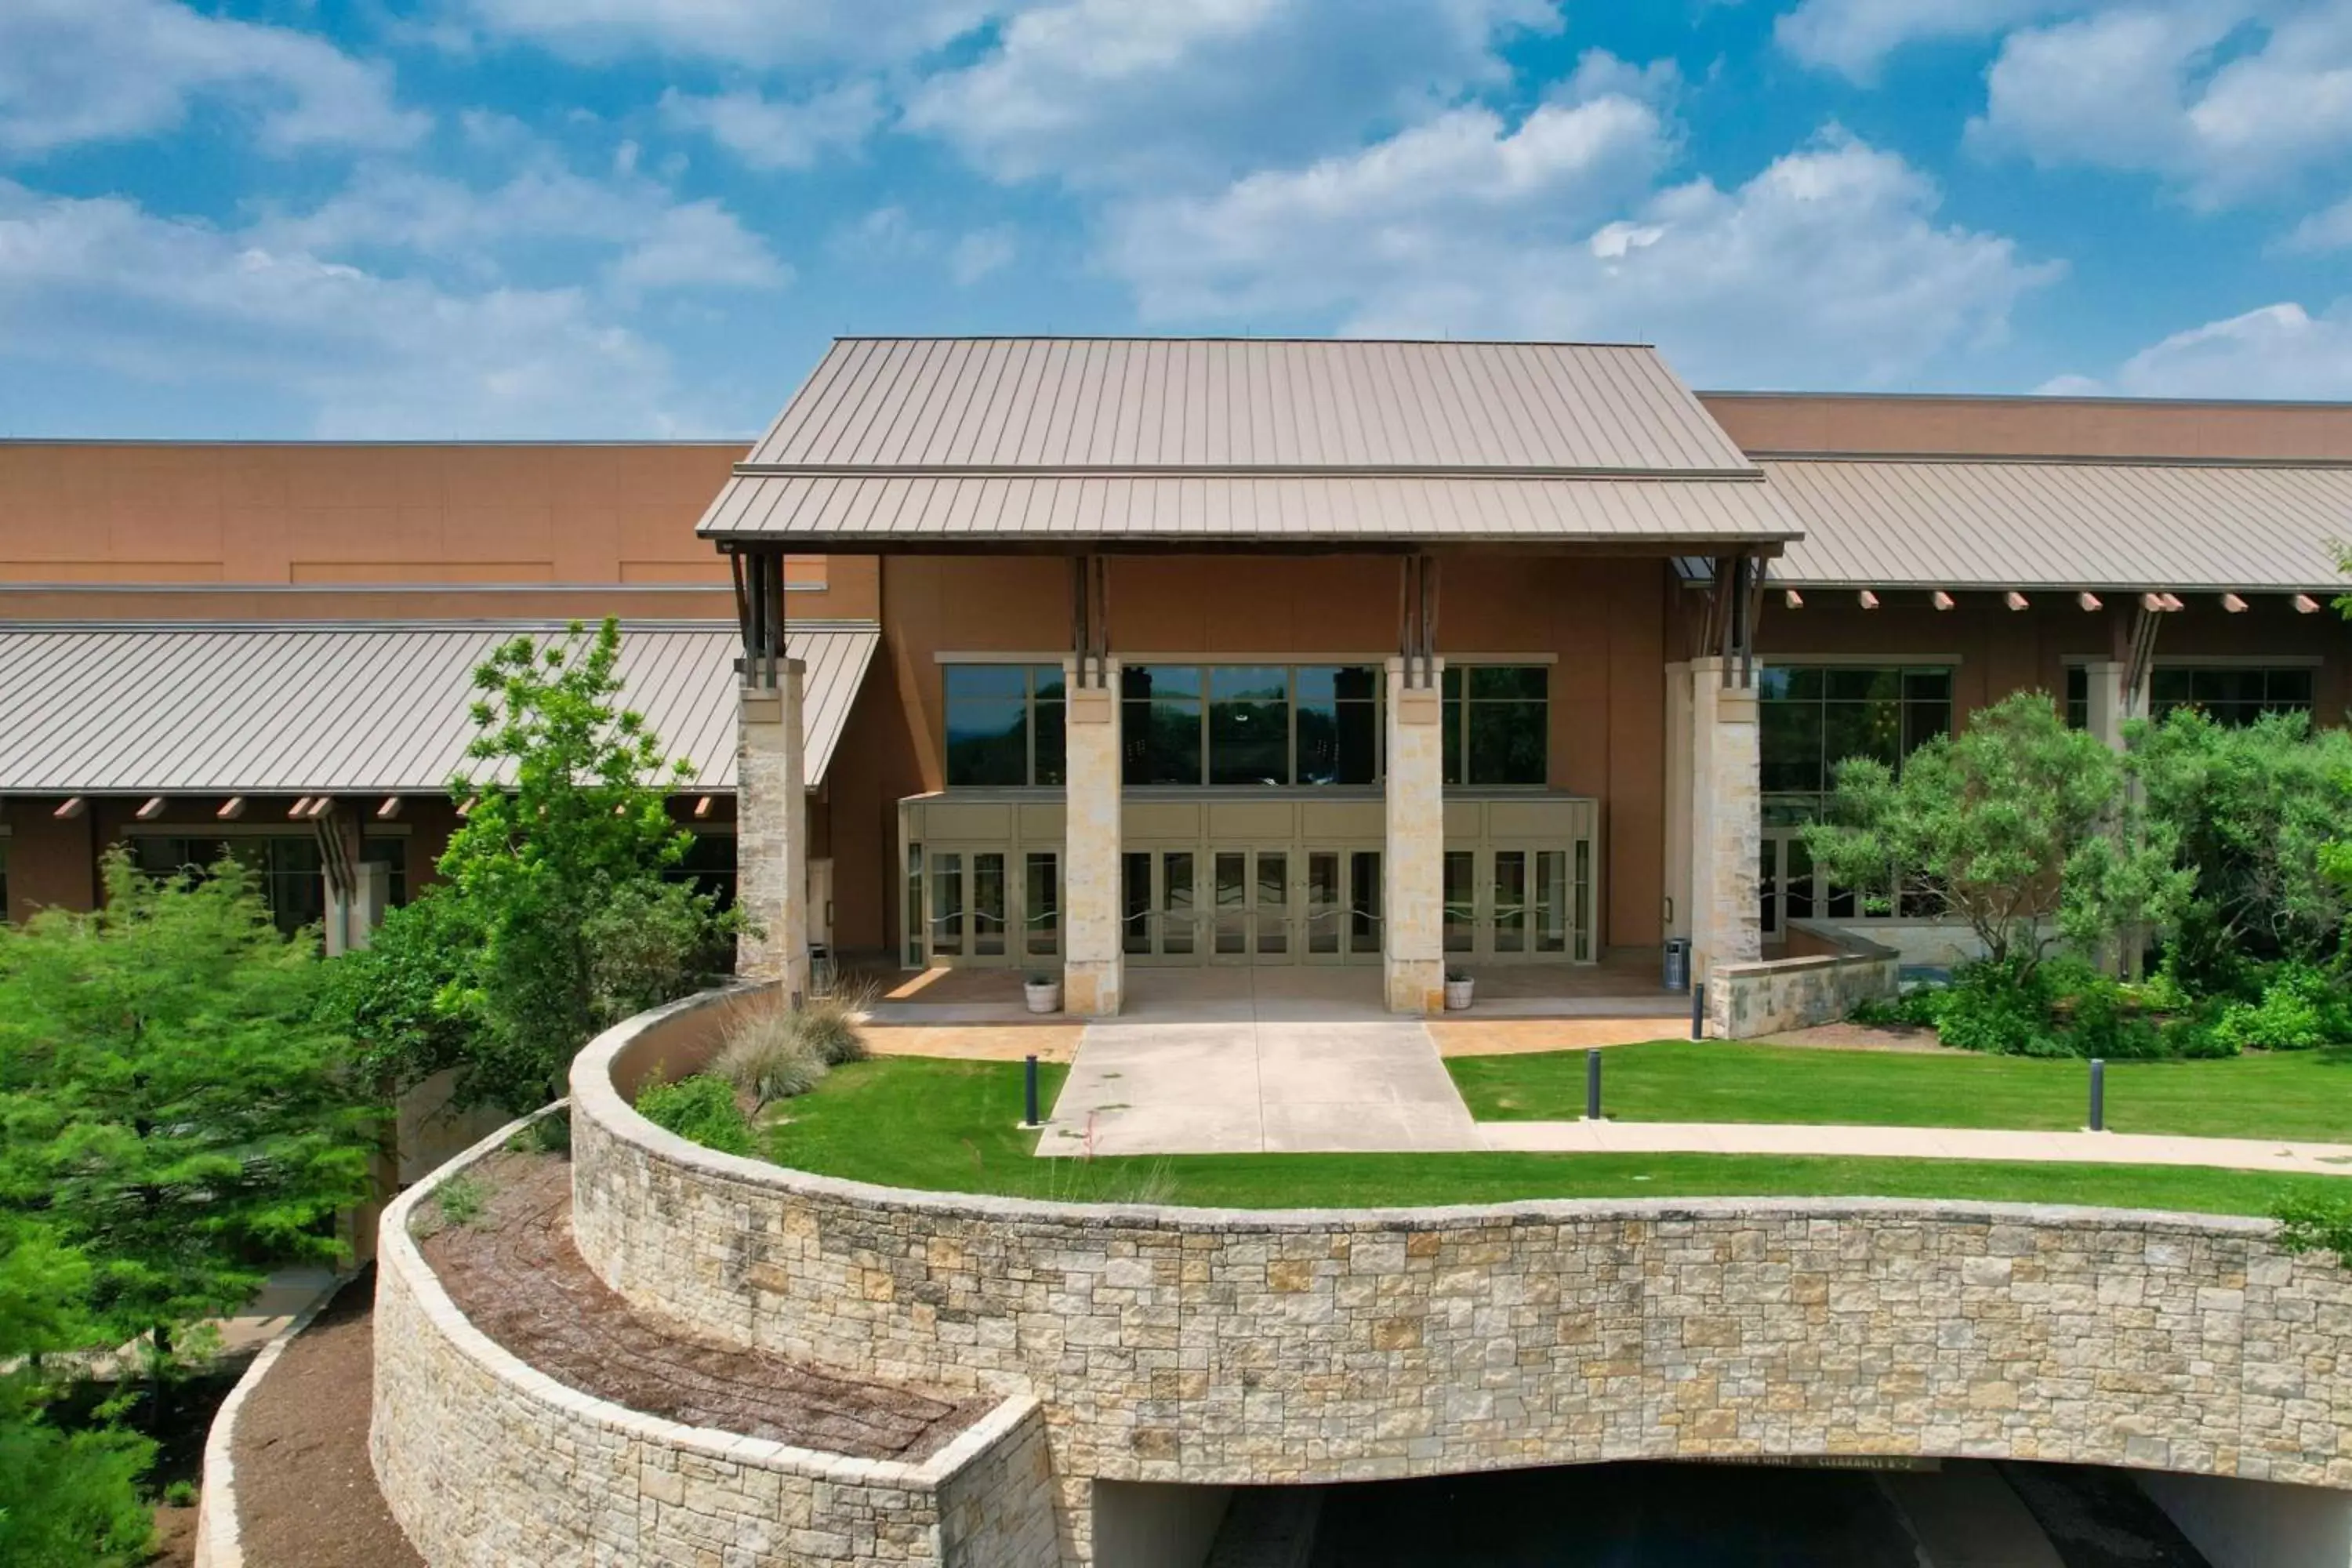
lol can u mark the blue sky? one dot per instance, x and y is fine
(644, 218)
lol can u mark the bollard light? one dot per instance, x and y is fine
(2098, 1095)
(1593, 1086)
(1698, 1011)
(1029, 1092)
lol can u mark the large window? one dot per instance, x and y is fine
(1497, 725)
(1250, 724)
(286, 867)
(1004, 723)
(1814, 717)
(2229, 694)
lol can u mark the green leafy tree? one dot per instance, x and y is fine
(67, 1499)
(2252, 810)
(558, 869)
(2018, 827)
(170, 1107)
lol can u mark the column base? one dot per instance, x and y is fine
(1091, 987)
(1415, 985)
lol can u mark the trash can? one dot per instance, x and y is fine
(1678, 964)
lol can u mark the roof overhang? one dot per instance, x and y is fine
(349, 708)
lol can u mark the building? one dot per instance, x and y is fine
(1088, 655)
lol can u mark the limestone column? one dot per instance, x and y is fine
(1726, 824)
(2110, 702)
(1093, 972)
(772, 831)
(1412, 866)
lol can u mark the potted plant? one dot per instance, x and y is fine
(1457, 991)
(1042, 993)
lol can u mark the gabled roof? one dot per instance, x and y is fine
(974, 442)
(2000, 522)
(313, 708)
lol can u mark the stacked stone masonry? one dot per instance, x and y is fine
(483, 1460)
(1828, 973)
(1212, 1347)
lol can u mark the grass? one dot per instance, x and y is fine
(949, 1126)
(2305, 1095)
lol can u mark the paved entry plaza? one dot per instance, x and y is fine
(1230, 1061)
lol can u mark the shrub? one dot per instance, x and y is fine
(1916, 1008)
(459, 1200)
(829, 1025)
(2002, 1008)
(2105, 1020)
(2312, 1224)
(766, 1057)
(2299, 1010)
(701, 1108)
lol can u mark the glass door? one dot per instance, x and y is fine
(1159, 920)
(944, 917)
(1364, 893)
(1040, 905)
(1324, 938)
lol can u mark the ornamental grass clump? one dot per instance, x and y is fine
(830, 1024)
(767, 1057)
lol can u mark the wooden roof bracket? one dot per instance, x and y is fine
(1091, 618)
(1417, 601)
(2148, 618)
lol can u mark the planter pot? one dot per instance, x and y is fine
(1457, 994)
(1045, 998)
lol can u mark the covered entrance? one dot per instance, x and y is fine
(1240, 880)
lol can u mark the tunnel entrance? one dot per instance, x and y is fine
(1894, 1514)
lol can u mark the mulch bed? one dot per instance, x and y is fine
(306, 1496)
(514, 1273)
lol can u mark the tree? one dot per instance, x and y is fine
(2252, 810)
(557, 871)
(171, 1106)
(67, 1499)
(2018, 826)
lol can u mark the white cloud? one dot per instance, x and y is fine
(758, 33)
(1854, 37)
(106, 283)
(2279, 350)
(2227, 99)
(661, 242)
(980, 252)
(2327, 229)
(1828, 265)
(780, 133)
(1099, 91)
(89, 70)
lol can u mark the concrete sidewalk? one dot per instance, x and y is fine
(1915, 1142)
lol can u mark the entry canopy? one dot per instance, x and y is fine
(942, 443)
(2006, 524)
(353, 708)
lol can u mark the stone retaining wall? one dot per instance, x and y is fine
(1827, 972)
(483, 1460)
(1207, 1346)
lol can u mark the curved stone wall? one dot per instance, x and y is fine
(1207, 1346)
(484, 1460)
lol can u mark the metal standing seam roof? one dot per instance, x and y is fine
(2020, 523)
(965, 440)
(344, 708)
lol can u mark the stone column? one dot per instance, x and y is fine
(1727, 822)
(1413, 867)
(772, 833)
(1093, 973)
(2110, 703)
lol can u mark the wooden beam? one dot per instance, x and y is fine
(2089, 602)
(74, 807)
(2013, 599)
(232, 808)
(2234, 605)
(1793, 599)
(1868, 600)
(2305, 604)
(320, 807)
(466, 807)
(1940, 599)
(299, 809)
(151, 810)
(702, 808)
(389, 809)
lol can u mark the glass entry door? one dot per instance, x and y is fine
(1159, 906)
(1251, 905)
(970, 909)
(1517, 902)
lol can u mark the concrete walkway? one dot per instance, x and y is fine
(1915, 1142)
(1256, 1061)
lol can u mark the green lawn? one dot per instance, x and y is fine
(2299, 1094)
(949, 1126)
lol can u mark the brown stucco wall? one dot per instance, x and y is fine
(2050, 427)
